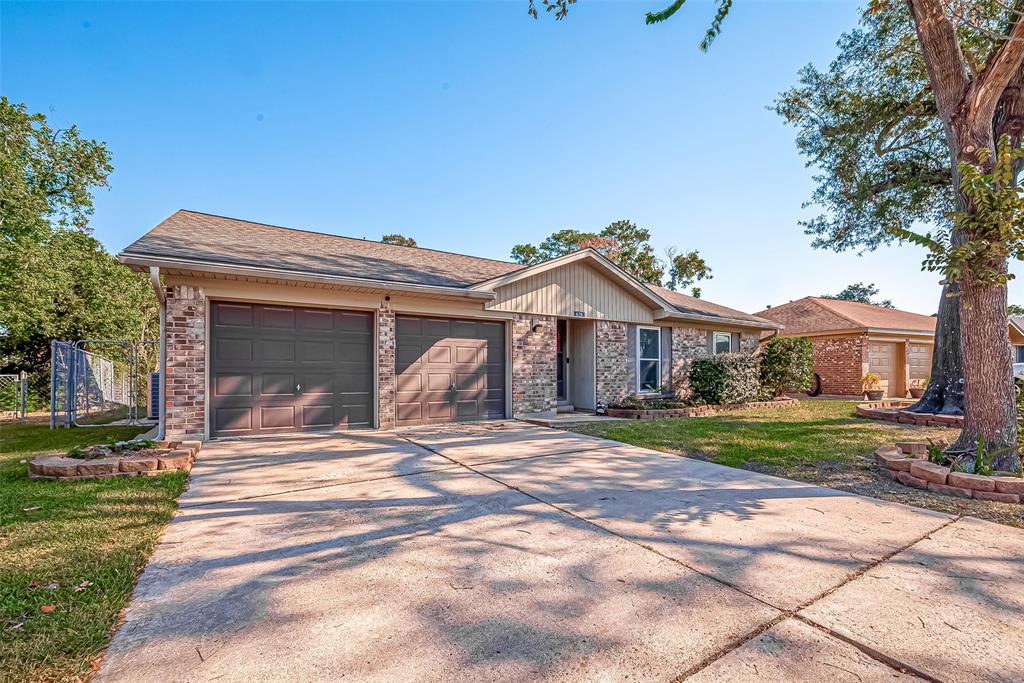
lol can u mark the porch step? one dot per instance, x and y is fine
(563, 407)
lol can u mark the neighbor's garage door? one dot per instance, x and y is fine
(919, 358)
(449, 370)
(882, 361)
(283, 368)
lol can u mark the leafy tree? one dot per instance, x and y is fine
(400, 240)
(46, 176)
(622, 242)
(1015, 310)
(787, 364)
(684, 269)
(861, 293)
(56, 280)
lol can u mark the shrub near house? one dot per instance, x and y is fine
(787, 364)
(725, 378)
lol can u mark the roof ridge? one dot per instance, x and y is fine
(820, 301)
(344, 237)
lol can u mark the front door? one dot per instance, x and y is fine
(560, 382)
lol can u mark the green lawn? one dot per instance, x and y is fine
(812, 432)
(74, 547)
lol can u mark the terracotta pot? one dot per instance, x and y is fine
(874, 395)
(916, 393)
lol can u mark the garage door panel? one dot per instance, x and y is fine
(232, 350)
(233, 315)
(232, 420)
(277, 318)
(293, 369)
(279, 350)
(450, 369)
(233, 384)
(882, 362)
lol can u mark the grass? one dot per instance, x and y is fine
(811, 432)
(58, 536)
(818, 442)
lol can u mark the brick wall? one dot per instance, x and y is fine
(185, 398)
(534, 365)
(687, 343)
(612, 361)
(840, 361)
(749, 342)
(385, 366)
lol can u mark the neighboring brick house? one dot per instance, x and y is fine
(851, 339)
(269, 330)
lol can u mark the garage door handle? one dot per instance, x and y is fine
(298, 388)
(451, 387)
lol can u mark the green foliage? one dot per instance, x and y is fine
(686, 268)
(992, 227)
(56, 281)
(400, 240)
(635, 402)
(936, 453)
(787, 364)
(869, 127)
(1015, 310)
(725, 378)
(46, 175)
(861, 293)
(622, 242)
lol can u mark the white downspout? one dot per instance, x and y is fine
(154, 281)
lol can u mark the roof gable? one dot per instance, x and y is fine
(815, 315)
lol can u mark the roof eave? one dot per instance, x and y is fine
(147, 260)
(735, 322)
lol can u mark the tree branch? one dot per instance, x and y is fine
(998, 73)
(942, 55)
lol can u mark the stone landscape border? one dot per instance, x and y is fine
(907, 462)
(891, 411)
(173, 456)
(697, 411)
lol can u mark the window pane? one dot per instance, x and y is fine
(723, 343)
(650, 340)
(649, 380)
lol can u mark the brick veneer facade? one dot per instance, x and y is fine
(386, 356)
(687, 343)
(185, 394)
(611, 361)
(841, 363)
(534, 365)
(749, 342)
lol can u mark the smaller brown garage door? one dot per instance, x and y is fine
(449, 370)
(288, 368)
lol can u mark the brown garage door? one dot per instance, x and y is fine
(284, 368)
(449, 370)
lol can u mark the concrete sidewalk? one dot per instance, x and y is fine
(505, 551)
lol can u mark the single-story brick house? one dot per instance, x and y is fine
(851, 339)
(1017, 337)
(268, 329)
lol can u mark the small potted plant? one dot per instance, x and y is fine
(917, 387)
(872, 385)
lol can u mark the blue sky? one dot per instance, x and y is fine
(466, 125)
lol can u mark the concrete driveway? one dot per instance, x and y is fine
(505, 551)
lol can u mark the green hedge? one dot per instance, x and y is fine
(787, 364)
(725, 378)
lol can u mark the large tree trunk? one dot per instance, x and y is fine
(990, 395)
(945, 391)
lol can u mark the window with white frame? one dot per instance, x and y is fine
(722, 342)
(648, 342)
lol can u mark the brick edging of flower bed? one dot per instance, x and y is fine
(907, 462)
(891, 411)
(172, 456)
(697, 411)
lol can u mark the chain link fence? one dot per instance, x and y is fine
(101, 381)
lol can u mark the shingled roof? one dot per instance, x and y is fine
(201, 238)
(814, 314)
(205, 238)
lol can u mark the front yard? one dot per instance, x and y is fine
(819, 442)
(69, 552)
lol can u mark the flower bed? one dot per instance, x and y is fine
(696, 411)
(893, 411)
(907, 462)
(116, 460)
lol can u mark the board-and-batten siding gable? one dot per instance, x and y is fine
(571, 288)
